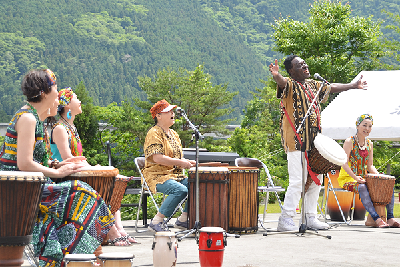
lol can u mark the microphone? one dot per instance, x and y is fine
(179, 110)
(318, 77)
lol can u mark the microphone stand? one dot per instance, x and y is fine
(303, 226)
(197, 224)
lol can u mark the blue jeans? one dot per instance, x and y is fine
(176, 192)
(369, 206)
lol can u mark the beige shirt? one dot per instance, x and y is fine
(296, 99)
(158, 142)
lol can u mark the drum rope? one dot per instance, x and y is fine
(384, 164)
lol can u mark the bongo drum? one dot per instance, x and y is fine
(380, 189)
(79, 260)
(213, 196)
(116, 259)
(20, 196)
(326, 155)
(243, 208)
(119, 191)
(100, 178)
(345, 199)
(165, 249)
(212, 244)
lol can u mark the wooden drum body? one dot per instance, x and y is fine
(243, 206)
(100, 178)
(213, 196)
(118, 192)
(380, 188)
(20, 196)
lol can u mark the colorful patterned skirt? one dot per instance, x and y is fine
(73, 218)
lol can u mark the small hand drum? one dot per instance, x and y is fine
(79, 260)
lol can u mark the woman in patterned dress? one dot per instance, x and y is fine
(65, 141)
(359, 150)
(72, 218)
(164, 165)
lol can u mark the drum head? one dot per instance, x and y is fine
(384, 176)
(330, 149)
(116, 256)
(212, 229)
(79, 257)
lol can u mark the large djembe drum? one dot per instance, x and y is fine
(380, 189)
(325, 156)
(100, 178)
(243, 208)
(213, 196)
(20, 196)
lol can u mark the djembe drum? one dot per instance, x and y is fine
(380, 188)
(20, 196)
(100, 178)
(120, 184)
(326, 155)
(213, 196)
(243, 208)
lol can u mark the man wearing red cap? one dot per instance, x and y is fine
(164, 166)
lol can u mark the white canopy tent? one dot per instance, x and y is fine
(381, 100)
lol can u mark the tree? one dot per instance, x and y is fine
(332, 43)
(193, 91)
(87, 125)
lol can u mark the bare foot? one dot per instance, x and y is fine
(131, 239)
(393, 223)
(381, 223)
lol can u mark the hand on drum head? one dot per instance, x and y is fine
(68, 169)
(76, 159)
(360, 180)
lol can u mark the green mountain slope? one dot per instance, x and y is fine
(108, 44)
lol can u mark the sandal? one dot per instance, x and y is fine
(126, 238)
(119, 239)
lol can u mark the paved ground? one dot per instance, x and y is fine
(355, 245)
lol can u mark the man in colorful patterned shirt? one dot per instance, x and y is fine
(297, 93)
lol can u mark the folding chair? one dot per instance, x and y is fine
(334, 190)
(140, 163)
(270, 187)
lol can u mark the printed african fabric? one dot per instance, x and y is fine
(72, 217)
(297, 98)
(74, 142)
(8, 152)
(158, 142)
(357, 163)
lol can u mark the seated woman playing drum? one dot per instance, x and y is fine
(65, 141)
(164, 165)
(359, 150)
(72, 217)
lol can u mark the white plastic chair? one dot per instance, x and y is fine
(270, 187)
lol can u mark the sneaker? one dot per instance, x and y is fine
(159, 227)
(316, 224)
(286, 225)
(181, 225)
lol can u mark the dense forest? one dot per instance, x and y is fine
(108, 44)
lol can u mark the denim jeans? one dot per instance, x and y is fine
(176, 192)
(369, 206)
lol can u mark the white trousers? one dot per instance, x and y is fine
(293, 193)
